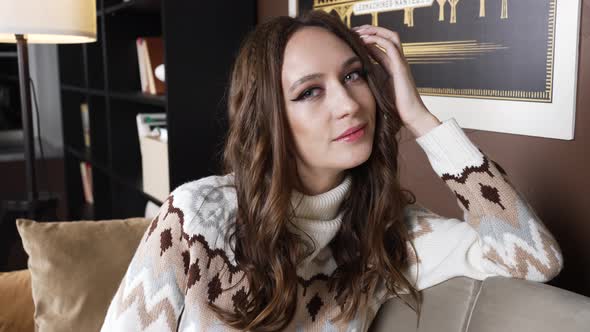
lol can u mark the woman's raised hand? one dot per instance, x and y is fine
(386, 48)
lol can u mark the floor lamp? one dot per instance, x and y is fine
(41, 22)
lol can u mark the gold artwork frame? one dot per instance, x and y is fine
(414, 51)
(535, 107)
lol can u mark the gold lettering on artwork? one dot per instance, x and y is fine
(375, 19)
(366, 7)
(482, 8)
(454, 10)
(409, 17)
(343, 8)
(441, 9)
(346, 8)
(504, 14)
(447, 51)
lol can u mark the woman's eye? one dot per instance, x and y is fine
(354, 76)
(309, 93)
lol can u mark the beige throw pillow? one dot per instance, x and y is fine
(76, 268)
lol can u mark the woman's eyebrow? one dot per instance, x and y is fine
(310, 77)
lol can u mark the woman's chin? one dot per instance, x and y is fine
(357, 159)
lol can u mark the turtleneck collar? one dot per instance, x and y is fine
(317, 217)
(323, 206)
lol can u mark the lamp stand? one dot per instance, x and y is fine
(27, 118)
(34, 203)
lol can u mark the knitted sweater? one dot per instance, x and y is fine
(183, 262)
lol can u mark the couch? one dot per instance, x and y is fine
(493, 305)
(66, 257)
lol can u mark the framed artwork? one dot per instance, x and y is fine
(499, 65)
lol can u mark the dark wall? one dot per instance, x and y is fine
(551, 174)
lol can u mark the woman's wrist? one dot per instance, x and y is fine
(423, 124)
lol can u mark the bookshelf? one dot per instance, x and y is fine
(201, 40)
(9, 89)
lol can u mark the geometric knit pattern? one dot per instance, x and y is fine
(183, 262)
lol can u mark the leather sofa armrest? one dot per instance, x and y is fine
(445, 307)
(495, 304)
(506, 304)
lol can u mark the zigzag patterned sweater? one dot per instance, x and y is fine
(183, 262)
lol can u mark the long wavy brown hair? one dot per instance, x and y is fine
(371, 244)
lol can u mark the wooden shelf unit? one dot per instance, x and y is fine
(201, 40)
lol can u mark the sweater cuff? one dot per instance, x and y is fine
(449, 150)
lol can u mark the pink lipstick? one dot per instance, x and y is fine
(352, 135)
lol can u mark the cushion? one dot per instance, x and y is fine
(16, 302)
(518, 305)
(494, 304)
(76, 268)
(445, 307)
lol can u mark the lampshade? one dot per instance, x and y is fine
(48, 21)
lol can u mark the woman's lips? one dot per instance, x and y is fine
(354, 136)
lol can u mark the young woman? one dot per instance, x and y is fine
(309, 229)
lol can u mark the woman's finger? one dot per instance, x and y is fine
(396, 59)
(382, 32)
(378, 53)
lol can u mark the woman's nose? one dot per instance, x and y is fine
(344, 102)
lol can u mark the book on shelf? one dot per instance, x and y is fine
(85, 124)
(153, 125)
(153, 145)
(142, 66)
(150, 54)
(86, 175)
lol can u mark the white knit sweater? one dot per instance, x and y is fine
(183, 262)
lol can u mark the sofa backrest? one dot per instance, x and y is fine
(495, 304)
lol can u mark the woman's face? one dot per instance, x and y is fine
(326, 95)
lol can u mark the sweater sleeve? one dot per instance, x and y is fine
(500, 235)
(183, 264)
(151, 294)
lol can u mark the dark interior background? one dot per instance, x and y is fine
(550, 173)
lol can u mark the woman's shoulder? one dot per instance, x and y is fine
(208, 208)
(207, 200)
(208, 185)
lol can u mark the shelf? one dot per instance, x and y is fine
(86, 156)
(92, 92)
(132, 5)
(12, 78)
(8, 47)
(115, 8)
(72, 88)
(13, 150)
(85, 212)
(8, 55)
(105, 75)
(83, 156)
(135, 183)
(140, 98)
